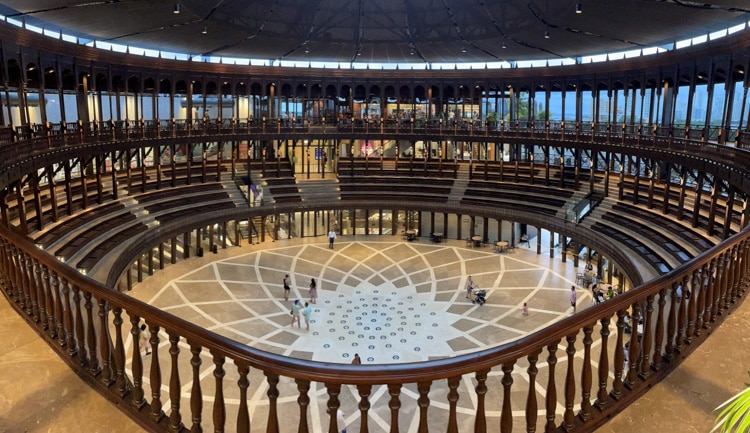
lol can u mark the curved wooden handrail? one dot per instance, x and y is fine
(40, 287)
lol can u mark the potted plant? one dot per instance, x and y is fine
(735, 413)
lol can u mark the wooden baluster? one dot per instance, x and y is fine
(24, 284)
(137, 399)
(394, 404)
(49, 302)
(219, 410)
(659, 331)
(717, 306)
(91, 334)
(619, 356)
(273, 395)
(32, 288)
(175, 418)
(550, 400)
(586, 374)
(303, 401)
(674, 313)
(506, 414)
(364, 407)
(80, 333)
(196, 394)
(480, 420)
(601, 395)
(119, 358)
(105, 345)
(68, 315)
(691, 283)
(531, 403)
(41, 309)
(700, 297)
(570, 383)
(633, 348)
(61, 339)
(453, 383)
(15, 259)
(423, 402)
(682, 315)
(156, 411)
(334, 389)
(713, 297)
(648, 338)
(726, 268)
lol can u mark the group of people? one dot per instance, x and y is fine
(298, 310)
(313, 289)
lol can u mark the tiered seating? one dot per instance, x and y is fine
(534, 198)
(396, 188)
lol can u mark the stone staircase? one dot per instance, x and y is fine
(459, 185)
(313, 189)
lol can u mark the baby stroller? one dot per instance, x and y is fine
(480, 296)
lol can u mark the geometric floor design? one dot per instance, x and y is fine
(388, 300)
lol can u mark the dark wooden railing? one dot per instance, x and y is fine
(580, 363)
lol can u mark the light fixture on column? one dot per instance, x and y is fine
(307, 50)
(205, 30)
(546, 35)
(504, 46)
(579, 8)
(176, 8)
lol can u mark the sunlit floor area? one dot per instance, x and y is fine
(388, 300)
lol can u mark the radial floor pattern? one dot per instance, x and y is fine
(387, 300)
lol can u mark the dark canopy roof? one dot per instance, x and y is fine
(385, 31)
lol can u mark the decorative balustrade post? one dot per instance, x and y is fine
(334, 389)
(69, 331)
(119, 358)
(303, 401)
(704, 306)
(648, 338)
(679, 333)
(531, 403)
(155, 411)
(364, 406)
(619, 366)
(601, 395)
(586, 375)
(423, 402)
(633, 348)
(175, 418)
(49, 302)
(480, 419)
(90, 334)
(137, 399)
(273, 395)
(506, 414)
(23, 284)
(39, 310)
(61, 339)
(550, 400)
(105, 344)
(570, 384)
(659, 331)
(196, 394)
(453, 383)
(79, 332)
(692, 284)
(219, 408)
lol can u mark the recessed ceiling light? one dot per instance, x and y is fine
(546, 35)
(579, 8)
(176, 8)
(205, 30)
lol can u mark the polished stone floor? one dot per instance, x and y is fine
(388, 300)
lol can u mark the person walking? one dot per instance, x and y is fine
(469, 288)
(331, 238)
(525, 309)
(573, 297)
(295, 311)
(313, 291)
(356, 360)
(307, 312)
(340, 420)
(143, 340)
(287, 286)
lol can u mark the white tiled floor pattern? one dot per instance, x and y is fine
(387, 300)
